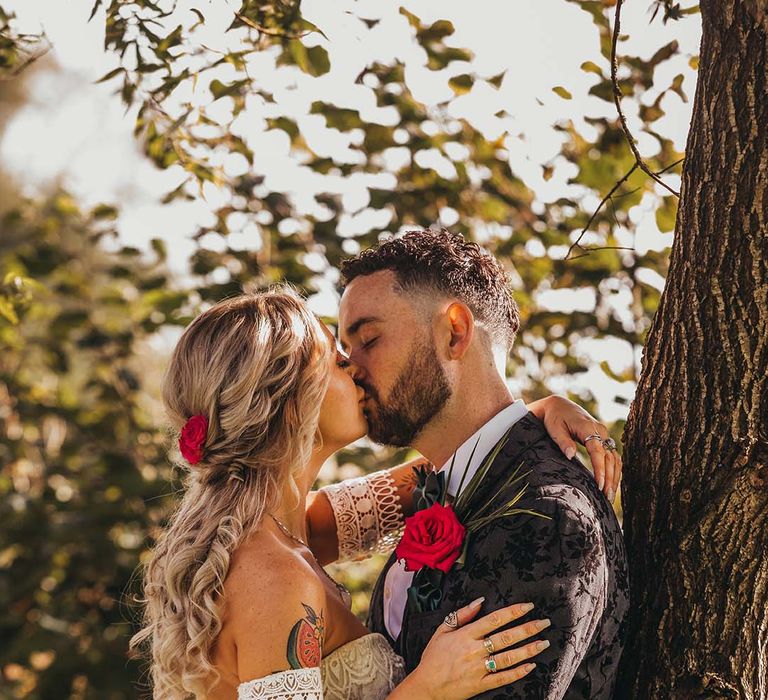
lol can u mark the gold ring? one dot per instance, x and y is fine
(490, 665)
(488, 644)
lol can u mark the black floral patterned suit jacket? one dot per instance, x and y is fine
(572, 567)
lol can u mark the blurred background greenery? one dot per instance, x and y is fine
(87, 320)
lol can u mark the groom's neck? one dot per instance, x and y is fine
(470, 407)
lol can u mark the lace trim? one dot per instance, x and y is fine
(369, 516)
(298, 684)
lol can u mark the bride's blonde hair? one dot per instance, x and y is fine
(256, 366)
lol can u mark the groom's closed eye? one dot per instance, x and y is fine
(354, 328)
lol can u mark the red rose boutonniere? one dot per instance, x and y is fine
(193, 436)
(432, 538)
(437, 535)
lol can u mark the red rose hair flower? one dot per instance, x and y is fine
(193, 436)
(432, 538)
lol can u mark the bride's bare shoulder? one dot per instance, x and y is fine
(263, 563)
(274, 608)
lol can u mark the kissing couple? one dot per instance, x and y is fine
(508, 577)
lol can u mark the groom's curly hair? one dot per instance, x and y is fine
(440, 261)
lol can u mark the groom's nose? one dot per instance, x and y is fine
(356, 372)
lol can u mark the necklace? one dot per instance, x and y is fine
(288, 533)
(342, 589)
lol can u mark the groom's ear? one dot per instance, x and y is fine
(459, 325)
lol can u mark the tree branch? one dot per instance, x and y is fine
(270, 32)
(609, 198)
(626, 177)
(617, 101)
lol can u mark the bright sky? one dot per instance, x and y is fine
(75, 132)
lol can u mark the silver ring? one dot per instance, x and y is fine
(594, 436)
(452, 620)
(490, 665)
(488, 644)
(609, 444)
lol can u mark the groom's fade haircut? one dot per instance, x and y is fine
(438, 262)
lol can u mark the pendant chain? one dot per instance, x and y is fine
(342, 589)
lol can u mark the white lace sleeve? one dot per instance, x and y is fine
(369, 516)
(295, 684)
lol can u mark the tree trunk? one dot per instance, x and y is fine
(696, 443)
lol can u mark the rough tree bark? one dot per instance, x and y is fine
(696, 443)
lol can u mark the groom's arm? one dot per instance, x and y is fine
(559, 565)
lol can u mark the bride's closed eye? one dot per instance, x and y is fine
(342, 361)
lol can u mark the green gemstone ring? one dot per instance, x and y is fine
(490, 665)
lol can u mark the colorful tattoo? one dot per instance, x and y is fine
(409, 480)
(305, 642)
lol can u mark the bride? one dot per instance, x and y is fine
(236, 604)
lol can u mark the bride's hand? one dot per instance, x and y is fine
(565, 422)
(453, 665)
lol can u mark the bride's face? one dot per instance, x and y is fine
(341, 414)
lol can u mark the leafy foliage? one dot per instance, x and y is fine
(17, 49)
(84, 465)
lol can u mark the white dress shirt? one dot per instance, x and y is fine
(398, 580)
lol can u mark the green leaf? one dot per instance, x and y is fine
(7, 311)
(665, 53)
(104, 211)
(590, 67)
(95, 9)
(337, 117)
(160, 248)
(461, 84)
(110, 75)
(318, 61)
(666, 214)
(496, 80)
(677, 87)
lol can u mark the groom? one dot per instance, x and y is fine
(428, 320)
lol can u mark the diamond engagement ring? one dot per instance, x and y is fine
(490, 665)
(609, 444)
(452, 620)
(488, 644)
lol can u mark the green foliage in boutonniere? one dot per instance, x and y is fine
(432, 536)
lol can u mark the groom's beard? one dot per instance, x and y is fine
(417, 396)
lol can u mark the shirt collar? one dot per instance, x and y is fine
(485, 439)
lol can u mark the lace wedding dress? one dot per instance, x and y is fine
(363, 669)
(369, 519)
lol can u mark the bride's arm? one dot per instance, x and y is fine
(358, 517)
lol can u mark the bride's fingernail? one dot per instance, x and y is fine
(477, 603)
(570, 452)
